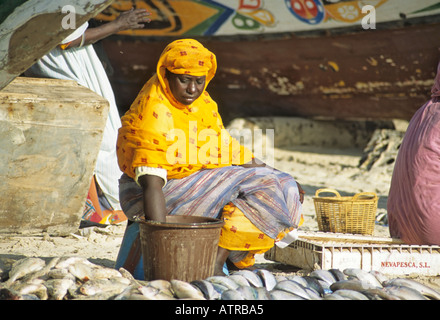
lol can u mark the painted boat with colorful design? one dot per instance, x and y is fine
(310, 58)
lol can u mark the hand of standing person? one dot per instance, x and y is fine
(131, 19)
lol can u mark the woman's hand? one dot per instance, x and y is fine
(301, 192)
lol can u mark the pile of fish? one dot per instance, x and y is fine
(76, 278)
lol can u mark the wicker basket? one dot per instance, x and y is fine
(355, 214)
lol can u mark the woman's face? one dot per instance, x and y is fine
(185, 88)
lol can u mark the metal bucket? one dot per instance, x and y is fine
(183, 247)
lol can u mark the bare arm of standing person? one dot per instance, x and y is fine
(154, 199)
(132, 19)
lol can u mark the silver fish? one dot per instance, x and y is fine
(42, 272)
(131, 293)
(268, 278)
(356, 285)
(165, 296)
(183, 289)
(29, 297)
(251, 277)
(219, 288)
(127, 292)
(231, 294)
(323, 275)
(313, 294)
(52, 263)
(239, 279)
(24, 267)
(121, 280)
(334, 296)
(133, 296)
(248, 292)
(379, 276)
(351, 294)
(379, 294)
(261, 293)
(97, 286)
(58, 288)
(99, 272)
(363, 276)
(60, 274)
(9, 294)
(279, 277)
(20, 282)
(405, 293)
(293, 288)
(338, 274)
(314, 284)
(298, 279)
(423, 289)
(283, 295)
(163, 285)
(106, 295)
(152, 293)
(325, 286)
(126, 274)
(224, 281)
(33, 287)
(66, 262)
(207, 289)
(81, 271)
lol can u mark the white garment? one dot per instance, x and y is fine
(288, 239)
(83, 66)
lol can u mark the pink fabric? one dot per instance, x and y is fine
(414, 197)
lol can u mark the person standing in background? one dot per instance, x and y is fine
(414, 198)
(75, 59)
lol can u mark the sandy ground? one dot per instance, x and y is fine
(314, 167)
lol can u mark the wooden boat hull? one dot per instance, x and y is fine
(381, 74)
(345, 59)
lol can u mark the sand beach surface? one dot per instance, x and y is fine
(319, 154)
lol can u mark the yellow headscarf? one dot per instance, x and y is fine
(160, 132)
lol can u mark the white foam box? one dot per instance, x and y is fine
(328, 250)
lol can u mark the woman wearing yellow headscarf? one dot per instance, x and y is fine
(175, 152)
